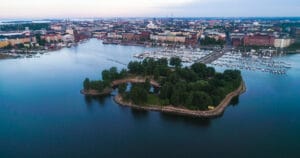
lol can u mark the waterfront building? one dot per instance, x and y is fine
(259, 40)
(3, 43)
(283, 43)
(114, 35)
(128, 36)
(166, 38)
(67, 38)
(52, 37)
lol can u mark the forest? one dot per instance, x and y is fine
(195, 87)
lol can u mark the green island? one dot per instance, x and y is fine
(165, 86)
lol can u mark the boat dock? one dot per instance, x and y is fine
(223, 58)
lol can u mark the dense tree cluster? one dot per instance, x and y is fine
(138, 94)
(199, 86)
(211, 41)
(175, 61)
(194, 87)
(149, 66)
(113, 74)
(95, 85)
(107, 77)
(31, 26)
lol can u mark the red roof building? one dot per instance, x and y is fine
(259, 40)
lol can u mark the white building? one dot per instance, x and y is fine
(70, 31)
(151, 25)
(283, 43)
(68, 38)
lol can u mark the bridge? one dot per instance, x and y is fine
(211, 57)
(214, 56)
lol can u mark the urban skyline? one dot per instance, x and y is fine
(146, 8)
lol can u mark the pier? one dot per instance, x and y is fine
(210, 57)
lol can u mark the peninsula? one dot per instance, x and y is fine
(159, 85)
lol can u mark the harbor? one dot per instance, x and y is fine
(266, 61)
(186, 55)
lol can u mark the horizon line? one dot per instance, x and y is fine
(146, 17)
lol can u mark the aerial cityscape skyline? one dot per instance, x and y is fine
(146, 8)
(149, 78)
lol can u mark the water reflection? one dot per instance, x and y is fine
(98, 99)
(139, 114)
(204, 122)
(235, 101)
(88, 100)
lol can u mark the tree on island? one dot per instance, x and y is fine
(122, 88)
(195, 87)
(147, 85)
(198, 100)
(138, 94)
(175, 61)
(86, 84)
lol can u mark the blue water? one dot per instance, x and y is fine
(42, 113)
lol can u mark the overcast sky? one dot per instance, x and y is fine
(146, 8)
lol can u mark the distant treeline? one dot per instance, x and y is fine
(20, 27)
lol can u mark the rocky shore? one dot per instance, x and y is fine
(92, 92)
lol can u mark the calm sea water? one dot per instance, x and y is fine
(42, 113)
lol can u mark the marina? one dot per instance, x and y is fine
(186, 55)
(264, 62)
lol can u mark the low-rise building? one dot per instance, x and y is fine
(128, 36)
(52, 37)
(17, 41)
(283, 43)
(259, 40)
(168, 38)
(67, 38)
(56, 27)
(3, 43)
(114, 35)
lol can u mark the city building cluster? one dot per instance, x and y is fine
(279, 33)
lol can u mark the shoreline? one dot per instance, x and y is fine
(218, 111)
(115, 83)
(96, 93)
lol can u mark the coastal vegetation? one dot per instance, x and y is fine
(197, 87)
(207, 41)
